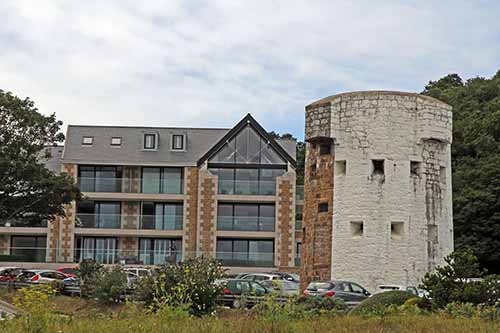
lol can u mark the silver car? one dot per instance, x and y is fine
(346, 290)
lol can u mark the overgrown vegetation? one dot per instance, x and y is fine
(452, 282)
(475, 160)
(378, 303)
(191, 282)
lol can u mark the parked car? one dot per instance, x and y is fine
(389, 287)
(283, 287)
(290, 283)
(234, 289)
(69, 271)
(348, 291)
(10, 273)
(44, 276)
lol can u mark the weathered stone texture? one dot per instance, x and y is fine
(316, 226)
(207, 212)
(67, 224)
(398, 128)
(131, 211)
(190, 211)
(286, 220)
(131, 182)
(128, 246)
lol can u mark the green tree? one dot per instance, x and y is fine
(29, 192)
(475, 162)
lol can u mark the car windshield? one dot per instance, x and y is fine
(319, 285)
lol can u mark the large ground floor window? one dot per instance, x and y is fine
(103, 250)
(157, 251)
(246, 252)
(28, 248)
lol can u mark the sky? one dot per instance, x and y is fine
(209, 63)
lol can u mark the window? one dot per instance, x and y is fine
(101, 249)
(244, 252)
(247, 147)
(28, 248)
(162, 216)
(325, 149)
(177, 142)
(162, 180)
(149, 141)
(340, 168)
(116, 141)
(101, 215)
(357, 289)
(157, 251)
(377, 167)
(357, 229)
(87, 140)
(323, 207)
(94, 178)
(246, 217)
(414, 168)
(397, 230)
(247, 181)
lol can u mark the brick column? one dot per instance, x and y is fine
(128, 246)
(317, 226)
(53, 236)
(67, 223)
(286, 221)
(190, 212)
(130, 214)
(131, 179)
(207, 212)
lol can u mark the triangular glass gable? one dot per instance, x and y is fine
(247, 147)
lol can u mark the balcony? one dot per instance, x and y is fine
(159, 257)
(129, 185)
(25, 254)
(245, 223)
(246, 259)
(98, 221)
(113, 221)
(247, 187)
(18, 223)
(161, 222)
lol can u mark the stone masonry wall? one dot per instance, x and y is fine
(317, 226)
(404, 210)
(128, 246)
(131, 211)
(286, 220)
(207, 212)
(190, 211)
(131, 182)
(67, 225)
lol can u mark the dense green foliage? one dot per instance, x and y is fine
(189, 282)
(29, 192)
(373, 304)
(111, 285)
(452, 283)
(475, 162)
(89, 272)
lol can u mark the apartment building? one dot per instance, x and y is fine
(156, 195)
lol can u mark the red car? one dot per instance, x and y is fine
(70, 271)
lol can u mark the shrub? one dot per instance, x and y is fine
(421, 302)
(35, 303)
(456, 309)
(189, 282)
(451, 283)
(111, 285)
(321, 305)
(378, 303)
(89, 272)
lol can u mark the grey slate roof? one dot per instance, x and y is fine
(131, 152)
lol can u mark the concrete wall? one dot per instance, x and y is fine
(406, 216)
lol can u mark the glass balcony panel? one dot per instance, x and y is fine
(98, 221)
(161, 222)
(246, 259)
(100, 184)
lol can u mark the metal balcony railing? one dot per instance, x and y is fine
(245, 223)
(247, 187)
(114, 221)
(246, 259)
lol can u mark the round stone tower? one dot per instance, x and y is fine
(378, 204)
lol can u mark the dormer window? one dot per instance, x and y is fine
(87, 140)
(177, 142)
(116, 141)
(149, 141)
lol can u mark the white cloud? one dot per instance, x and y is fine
(208, 63)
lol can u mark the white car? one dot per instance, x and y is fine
(389, 287)
(44, 276)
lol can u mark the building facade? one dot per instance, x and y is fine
(378, 206)
(156, 195)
